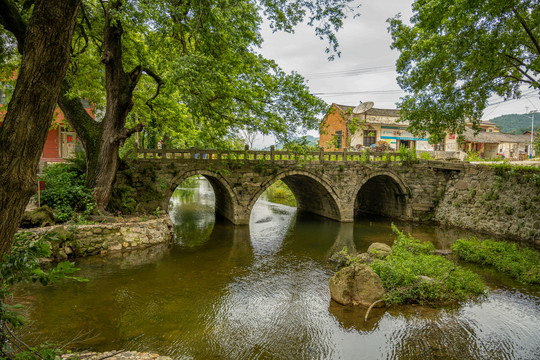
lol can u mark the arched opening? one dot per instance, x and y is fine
(207, 191)
(191, 209)
(312, 194)
(381, 195)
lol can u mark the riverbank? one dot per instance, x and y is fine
(124, 234)
(230, 292)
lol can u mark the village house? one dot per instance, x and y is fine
(342, 128)
(61, 141)
(491, 144)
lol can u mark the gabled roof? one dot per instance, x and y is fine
(372, 111)
(494, 137)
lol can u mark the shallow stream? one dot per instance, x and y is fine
(261, 292)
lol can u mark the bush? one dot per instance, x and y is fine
(520, 263)
(426, 155)
(413, 274)
(65, 192)
(21, 265)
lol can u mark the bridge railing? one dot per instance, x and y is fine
(272, 155)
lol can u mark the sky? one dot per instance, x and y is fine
(365, 71)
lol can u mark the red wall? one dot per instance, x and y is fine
(332, 122)
(51, 150)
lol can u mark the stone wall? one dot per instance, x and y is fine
(75, 241)
(326, 188)
(505, 203)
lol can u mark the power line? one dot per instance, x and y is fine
(379, 92)
(352, 72)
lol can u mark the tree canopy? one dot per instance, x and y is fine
(205, 53)
(456, 54)
(188, 70)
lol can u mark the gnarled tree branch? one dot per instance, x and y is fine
(527, 30)
(159, 82)
(13, 22)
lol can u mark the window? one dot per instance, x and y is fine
(339, 139)
(370, 137)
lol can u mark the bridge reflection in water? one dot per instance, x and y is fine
(238, 292)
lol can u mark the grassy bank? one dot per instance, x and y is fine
(520, 263)
(413, 274)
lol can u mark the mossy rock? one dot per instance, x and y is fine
(340, 260)
(357, 284)
(379, 250)
(42, 216)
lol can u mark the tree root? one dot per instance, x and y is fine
(369, 309)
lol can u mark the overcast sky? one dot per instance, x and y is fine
(366, 69)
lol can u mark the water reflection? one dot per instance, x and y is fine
(239, 292)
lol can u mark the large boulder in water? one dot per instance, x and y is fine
(357, 284)
(379, 250)
(42, 216)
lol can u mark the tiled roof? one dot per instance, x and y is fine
(372, 111)
(494, 137)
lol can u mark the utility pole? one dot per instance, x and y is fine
(532, 129)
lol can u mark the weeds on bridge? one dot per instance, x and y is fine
(505, 171)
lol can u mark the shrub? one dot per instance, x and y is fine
(413, 274)
(473, 156)
(426, 155)
(65, 191)
(21, 265)
(520, 263)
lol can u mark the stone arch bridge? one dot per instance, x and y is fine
(335, 185)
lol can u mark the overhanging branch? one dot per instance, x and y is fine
(527, 30)
(126, 133)
(159, 82)
(12, 21)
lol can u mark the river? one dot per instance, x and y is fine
(261, 292)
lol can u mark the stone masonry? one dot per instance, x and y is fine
(333, 189)
(340, 185)
(491, 201)
(83, 240)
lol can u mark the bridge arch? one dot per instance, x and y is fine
(226, 200)
(313, 193)
(383, 193)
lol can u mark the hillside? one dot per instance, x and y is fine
(516, 123)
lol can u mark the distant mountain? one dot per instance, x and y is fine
(516, 123)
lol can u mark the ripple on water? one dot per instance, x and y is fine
(261, 292)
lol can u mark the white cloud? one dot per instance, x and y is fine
(364, 44)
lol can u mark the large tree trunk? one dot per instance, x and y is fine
(119, 86)
(22, 136)
(88, 130)
(102, 140)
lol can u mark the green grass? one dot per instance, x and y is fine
(520, 263)
(401, 273)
